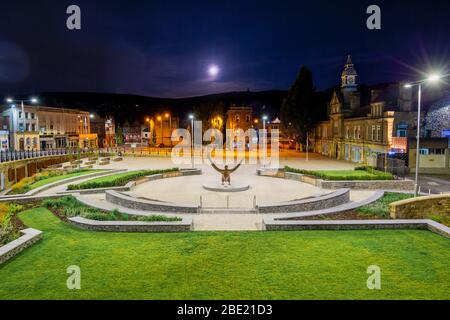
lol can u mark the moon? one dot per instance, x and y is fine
(213, 70)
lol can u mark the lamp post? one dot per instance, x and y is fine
(33, 100)
(432, 78)
(169, 116)
(191, 116)
(149, 129)
(265, 118)
(159, 118)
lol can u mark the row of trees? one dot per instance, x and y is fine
(303, 106)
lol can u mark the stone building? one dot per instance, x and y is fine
(360, 132)
(105, 128)
(239, 118)
(132, 132)
(438, 118)
(44, 128)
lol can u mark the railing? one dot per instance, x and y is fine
(8, 156)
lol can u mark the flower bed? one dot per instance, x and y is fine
(363, 173)
(68, 207)
(43, 178)
(117, 180)
(9, 227)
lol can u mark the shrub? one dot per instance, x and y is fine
(158, 218)
(365, 168)
(347, 175)
(116, 180)
(8, 232)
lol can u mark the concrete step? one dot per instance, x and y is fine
(228, 211)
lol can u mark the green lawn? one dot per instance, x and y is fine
(227, 265)
(344, 174)
(43, 182)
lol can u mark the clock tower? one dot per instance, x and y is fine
(349, 77)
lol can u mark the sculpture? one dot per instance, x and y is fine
(225, 171)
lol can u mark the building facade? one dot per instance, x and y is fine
(45, 128)
(360, 133)
(239, 118)
(105, 128)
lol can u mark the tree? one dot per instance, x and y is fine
(119, 136)
(298, 111)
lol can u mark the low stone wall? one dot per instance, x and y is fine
(27, 199)
(333, 199)
(147, 205)
(423, 224)
(131, 226)
(405, 185)
(421, 207)
(8, 251)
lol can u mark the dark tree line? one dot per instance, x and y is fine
(303, 106)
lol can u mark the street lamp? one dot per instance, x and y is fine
(191, 116)
(159, 118)
(433, 78)
(169, 116)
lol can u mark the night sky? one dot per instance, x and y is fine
(164, 48)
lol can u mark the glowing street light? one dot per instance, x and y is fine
(433, 78)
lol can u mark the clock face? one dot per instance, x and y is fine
(351, 80)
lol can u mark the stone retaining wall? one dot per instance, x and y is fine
(8, 251)
(334, 199)
(405, 185)
(421, 207)
(131, 226)
(424, 224)
(147, 205)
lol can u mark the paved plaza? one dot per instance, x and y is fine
(188, 190)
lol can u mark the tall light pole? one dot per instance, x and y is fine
(191, 116)
(149, 130)
(265, 118)
(159, 118)
(432, 78)
(33, 100)
(169, 116)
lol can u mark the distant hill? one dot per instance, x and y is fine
(132, 107)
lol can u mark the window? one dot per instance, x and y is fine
(32, 115)
(247, 119)
(26, 115)
(423, 152)
(373, 133)
(33, 127)
(347, 132)
(237, 118)
(378, 133)
(436, 151)
(20, 114)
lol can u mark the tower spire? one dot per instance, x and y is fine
(349, 75)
